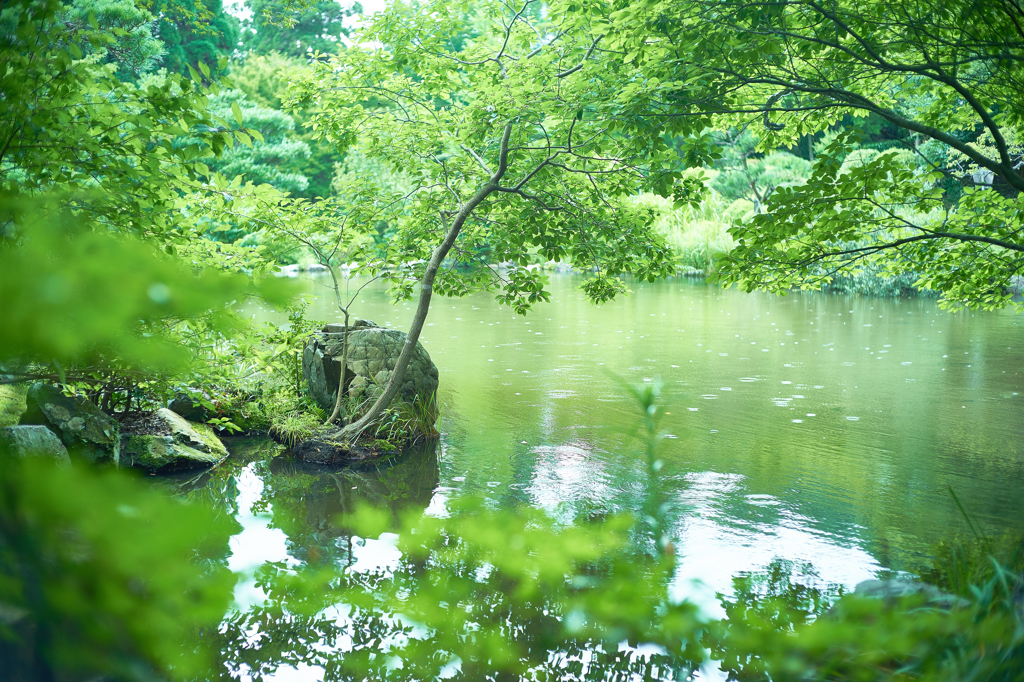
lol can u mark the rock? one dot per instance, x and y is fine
(188, 407)
(905, 587)
(12, 403)
(318, 451)
(162, 453)
(87, 432)
(178, 444)
(198, 436)
(34, 441)
(372, 355)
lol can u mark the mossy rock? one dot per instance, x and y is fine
(177, 444)
(12, 403)
(163, 453)
(372, 355)
(87, 431)
(32, 440)
(197, 436)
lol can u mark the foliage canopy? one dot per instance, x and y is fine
(946, 73)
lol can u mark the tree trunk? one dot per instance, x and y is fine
(341, 377)
(390, 390)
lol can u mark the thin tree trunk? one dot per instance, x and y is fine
(344, 367)
(426, 290)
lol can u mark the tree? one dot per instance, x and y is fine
(264, 79)
(510, 140)
(267, 161)
(747, 174)
(296, 29)
(943, 72)
(98, 203)
(202, 32)
(134, 50)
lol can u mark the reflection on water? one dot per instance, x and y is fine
(808, 427)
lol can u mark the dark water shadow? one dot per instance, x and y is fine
(313, 504)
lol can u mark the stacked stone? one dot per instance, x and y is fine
(372, 355)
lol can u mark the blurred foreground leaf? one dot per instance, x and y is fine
(102, 576)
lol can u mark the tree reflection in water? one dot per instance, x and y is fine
(481, 595)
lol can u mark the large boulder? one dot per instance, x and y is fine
(372, 354)
(33, 441)
(12, 403)
(87, 431)
(165, 441)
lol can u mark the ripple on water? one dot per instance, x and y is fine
(559, 394)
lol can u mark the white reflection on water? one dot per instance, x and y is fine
(376, 555)
(713, 545)
(256, 543)
(563, 474)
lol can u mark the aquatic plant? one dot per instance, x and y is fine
(408, 422)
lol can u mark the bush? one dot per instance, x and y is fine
(696, 236)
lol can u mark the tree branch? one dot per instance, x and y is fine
(590, 50)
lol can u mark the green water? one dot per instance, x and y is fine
(809, 427)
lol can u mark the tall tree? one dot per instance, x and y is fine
(941, 71)
(268, 161)
(509, 140)
(296, 29)
(203, 32)
(264, 79)
(134, 49)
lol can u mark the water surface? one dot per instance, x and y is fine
(810, 427)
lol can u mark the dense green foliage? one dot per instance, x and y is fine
(102, 576)
(264, 78)
(948, 74)
(137, 210)
(296, 29)
(202, 32)
(92, 187)
(266, 161)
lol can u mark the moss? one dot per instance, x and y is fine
(149, 452)
(12, 403)
(208, 436)
(161, 452)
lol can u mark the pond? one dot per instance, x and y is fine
(811, 427)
